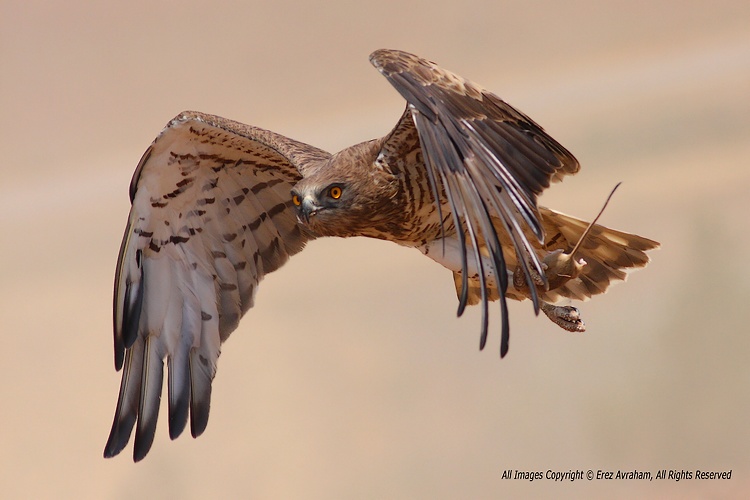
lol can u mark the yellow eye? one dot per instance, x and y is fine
(335, 192)
(295, 199)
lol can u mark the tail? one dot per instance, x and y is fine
(609, 255)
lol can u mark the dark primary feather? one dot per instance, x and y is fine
(489, 159)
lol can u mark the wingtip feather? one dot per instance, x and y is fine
(179, 395)
(200, 393)
(148, 409)
(127, 402)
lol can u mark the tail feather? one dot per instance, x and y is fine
(609, 254)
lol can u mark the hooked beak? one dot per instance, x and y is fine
(308, 208)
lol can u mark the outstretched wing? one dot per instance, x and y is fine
(486, 158)
(211, 215)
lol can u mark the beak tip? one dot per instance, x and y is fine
(308, 209)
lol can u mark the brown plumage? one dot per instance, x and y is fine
(218, 204)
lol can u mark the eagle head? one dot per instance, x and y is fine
(348, 196)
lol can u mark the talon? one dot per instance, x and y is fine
(536, 277)
(566, 317)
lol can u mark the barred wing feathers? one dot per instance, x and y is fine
(489, 159)
(211, 215)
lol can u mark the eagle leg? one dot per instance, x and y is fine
(566, 317)
(519, 278)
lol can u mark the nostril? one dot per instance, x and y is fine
(309, 208)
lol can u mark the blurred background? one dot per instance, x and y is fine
(363, 383)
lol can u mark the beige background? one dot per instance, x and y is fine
(352, 378)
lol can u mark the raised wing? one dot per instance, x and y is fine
(211, 215)
(486, 158)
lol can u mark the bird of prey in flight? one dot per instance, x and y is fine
(217, 204)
